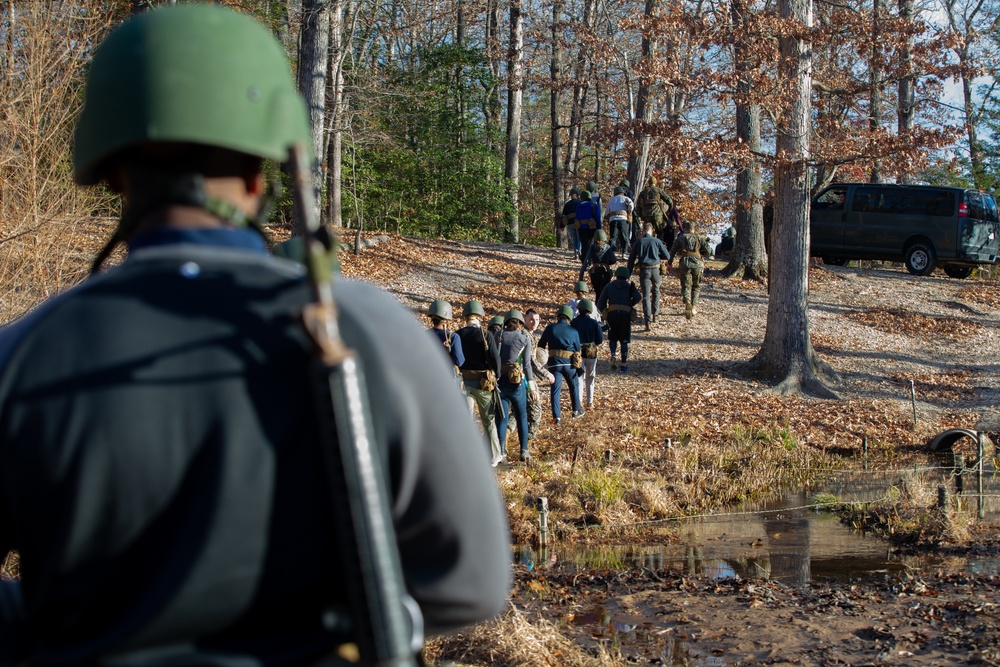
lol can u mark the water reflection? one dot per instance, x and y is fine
(793, 546)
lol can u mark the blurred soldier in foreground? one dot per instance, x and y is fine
(163, 478)
(690, 249)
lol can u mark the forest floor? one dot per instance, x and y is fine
(686, 432)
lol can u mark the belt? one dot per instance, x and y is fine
(562, 354)
(507, 368)
(618, 308)
(473, 375)
(650, 266)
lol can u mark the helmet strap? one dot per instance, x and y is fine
(161, 188)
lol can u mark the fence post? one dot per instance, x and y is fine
(959, 463)
(981, 446)
(864, 452)
(942, 499)
(543, 522)
(913, 401)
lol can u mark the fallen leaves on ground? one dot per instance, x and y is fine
(907, 322)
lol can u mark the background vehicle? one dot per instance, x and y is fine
(922, 226)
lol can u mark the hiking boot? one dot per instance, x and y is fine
(624, 368)
(525, 456)
(647, 325)
(614, 363)
(694, 311)
(688, 311)
(577, 413)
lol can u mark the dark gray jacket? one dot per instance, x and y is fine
(161, 476)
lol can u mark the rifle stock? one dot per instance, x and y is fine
(387, 624)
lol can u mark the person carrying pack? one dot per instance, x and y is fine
(166, 472)
(563, 344)
(689, 249)
(516, 376)
(617, 302)
(480, 372)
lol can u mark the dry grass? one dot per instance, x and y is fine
(514, 640)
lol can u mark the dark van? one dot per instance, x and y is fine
(922, 226)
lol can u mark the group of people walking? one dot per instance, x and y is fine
(500, 363)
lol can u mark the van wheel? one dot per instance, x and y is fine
(959, 272)
(920, 260)
(835, 261)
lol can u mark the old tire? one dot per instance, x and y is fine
(957, 271)
(920, 259)
(835, 261)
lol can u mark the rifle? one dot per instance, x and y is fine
(386, 621)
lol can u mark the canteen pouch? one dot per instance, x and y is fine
(576, 360)
(588, 350)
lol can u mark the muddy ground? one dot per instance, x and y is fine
(900, 343)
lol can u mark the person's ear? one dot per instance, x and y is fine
(255, 184)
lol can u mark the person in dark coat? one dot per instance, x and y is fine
(600, 259)
(617, 302)
(562, 341)
(588, 221)
(165, 478)
(648, 254)
(591, 338)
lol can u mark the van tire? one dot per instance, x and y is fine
(835, 261)
(958, 271)
(920, 259)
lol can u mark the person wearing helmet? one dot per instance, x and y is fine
(562, 341)
(648, 254)
(617, 302)
(539, 370)
(569, 221)
(164, 476)
(619, 216)
(595, 197)
(691, 249)
(627, 189)
(654, 206)
(580, 289)
(588, 221)
(600, 259)
(440, 314)
(481, 371)
(516, 380)
(591, 337)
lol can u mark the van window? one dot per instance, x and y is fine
(911, 201)
(991, 208)
(832, 199)
(977, 210)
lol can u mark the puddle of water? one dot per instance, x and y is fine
(793, 546)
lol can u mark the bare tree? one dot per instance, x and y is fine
(638, 165)
(555, 97)
(787, 354)
(905, 116)
(515, 94)
(748, 261)
(314, 44)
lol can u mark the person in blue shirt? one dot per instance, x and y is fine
(588, 221)
(648, 253)
(591, 337)
(562, 341)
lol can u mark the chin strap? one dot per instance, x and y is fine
(157, 189)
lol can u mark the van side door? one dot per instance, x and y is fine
(826, 222)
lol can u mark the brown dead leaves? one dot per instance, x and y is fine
(909, 323)
(986, 292)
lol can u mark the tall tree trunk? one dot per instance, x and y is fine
(748, 260)
(638, 164)
(460, 25)
(493, 52)
(787, 354)
(555, 95)
(906, 118)
(875, 84)
(580, 88)
(972, 122)
(515, 94)
(334, 189)
(313, 61)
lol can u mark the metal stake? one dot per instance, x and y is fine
(543, 522)
(981, 445)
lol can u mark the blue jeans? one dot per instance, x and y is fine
(574, 239)
(561, 372)
(514, 398)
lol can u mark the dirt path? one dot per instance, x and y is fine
(880, 329)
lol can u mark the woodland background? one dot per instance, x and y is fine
(473, 118)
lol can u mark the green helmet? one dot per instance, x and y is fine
(574, 191)
(625, 183)
(585, 195)
(619, 190)
(585, 306)
(601, 235)
(580, 286)
(565, 311)
(473, 308)
(497, 321)
(592, 186)
(514, 315)
(440, 308)
(192, 73)
(621, 272)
